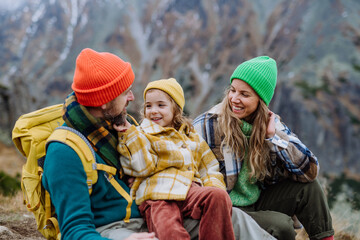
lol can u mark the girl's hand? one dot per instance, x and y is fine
(122, 128)
(270, 130)
(130, 181)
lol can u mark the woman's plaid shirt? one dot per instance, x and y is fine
(290, 158)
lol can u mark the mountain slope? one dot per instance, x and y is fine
(200, 43)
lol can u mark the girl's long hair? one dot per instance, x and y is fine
(256, 148)
(179, 117)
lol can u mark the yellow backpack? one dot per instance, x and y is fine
(31, 134)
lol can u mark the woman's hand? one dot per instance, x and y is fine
(141, 236)
(270, 130)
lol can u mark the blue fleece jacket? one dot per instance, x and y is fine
(78, 212)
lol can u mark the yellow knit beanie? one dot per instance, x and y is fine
(171, 87)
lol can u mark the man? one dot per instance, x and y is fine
(102, 89)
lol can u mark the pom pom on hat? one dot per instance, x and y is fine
(100, 77)
(261, 74)
(171, 87)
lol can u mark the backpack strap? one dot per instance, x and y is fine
(117, 186)
(133, 120)
(78, 142)
(81, 146)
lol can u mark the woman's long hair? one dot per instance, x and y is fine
(256, 148)
(179, 117)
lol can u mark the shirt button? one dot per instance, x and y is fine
(183, 146)
(189, 168)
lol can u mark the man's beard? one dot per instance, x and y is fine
(118, 120)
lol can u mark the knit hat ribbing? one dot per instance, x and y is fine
(261, 74)
(171, 87)
(100, 77)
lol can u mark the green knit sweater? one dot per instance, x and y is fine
(245, 192)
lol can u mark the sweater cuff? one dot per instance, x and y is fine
(276, 141)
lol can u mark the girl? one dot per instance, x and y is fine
(176, 173)
(269, 172)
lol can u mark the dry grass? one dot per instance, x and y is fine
(14, 216)
(11, 204)
(13, 213)
(11, 160)
(346, 221)
(341, 232)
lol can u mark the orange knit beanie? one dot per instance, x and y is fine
(100, 77)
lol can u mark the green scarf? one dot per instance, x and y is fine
(245, 192)
(98, 131)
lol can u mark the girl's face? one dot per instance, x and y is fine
(159, 108)
(243, 99)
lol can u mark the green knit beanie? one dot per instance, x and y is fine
(261, 74)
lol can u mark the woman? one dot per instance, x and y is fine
(269, 172)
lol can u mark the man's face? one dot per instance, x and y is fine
(115, 111)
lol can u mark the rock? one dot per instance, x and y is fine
(6, 233)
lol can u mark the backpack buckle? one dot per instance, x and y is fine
(89, 183)
(108, 177)
(94, 166)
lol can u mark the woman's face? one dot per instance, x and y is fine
(242, 98)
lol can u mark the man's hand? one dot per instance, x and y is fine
(142, 236)
(122, 128)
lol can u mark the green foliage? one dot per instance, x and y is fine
(307, 90)
(350, 188)
(310, 91)
(356, 67)
(354, 120)
(5, 138)
(9, 185)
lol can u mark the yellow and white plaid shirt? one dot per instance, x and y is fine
(165, 161)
